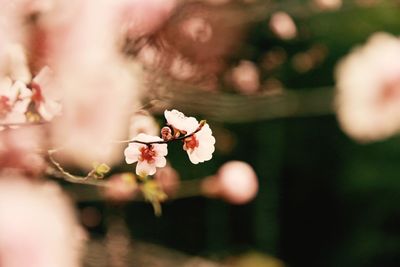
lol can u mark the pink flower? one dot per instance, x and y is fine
(38, 226)
(179, 121)
(46, 106)
(148, 157)
(200, 145)
(14, 101)
(368, 89)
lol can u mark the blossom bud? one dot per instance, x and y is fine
(166, 133)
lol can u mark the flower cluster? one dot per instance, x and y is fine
(22, 98)
(149, 151)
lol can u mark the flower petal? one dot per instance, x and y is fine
(132, 153)
(143, 168)
(160, 162)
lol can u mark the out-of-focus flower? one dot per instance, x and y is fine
(18, 151)
(328, 4)
(145, 17)
(14, 101)
(368, 89)
(121, 187)
(98, 85)
(38, 226)
(150, 56)
(245, 77)
(273, 59)
(199, 146)
(15, 64)
(197, 40)
(168, 179)
(46, 106)
(235, 182)
(148, 157)
(283, 25)
(143, 123)
(198, 29)
(182, 69)
(302, 62)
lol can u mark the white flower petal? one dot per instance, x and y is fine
(205, 149)
(132, 153)
(143, 168)
(179, 121)
(193, 157)
(160, 162)
(147, 138)
(49, 109)
(161, 149)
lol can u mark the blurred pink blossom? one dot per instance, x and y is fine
(15, 63)
(14, 101)
(168, 179)
(198, 29)
(328, 4)
(143, 123)
(38, 225)
(182, 69)
(246, 77)
(368, 89)
(143, 17)
(97, 83)
(283, 25)
(19, 151)
(235, 182)
(121, 187)
(197, 40)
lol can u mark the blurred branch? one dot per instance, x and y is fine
(235, 108)
(188, 188)
(59, 172)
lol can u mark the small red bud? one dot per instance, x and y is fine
(166, 133)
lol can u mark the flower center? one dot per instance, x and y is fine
(147, 154)
(390, 92)
(37, 96)
(5, 106)
(191, 143)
